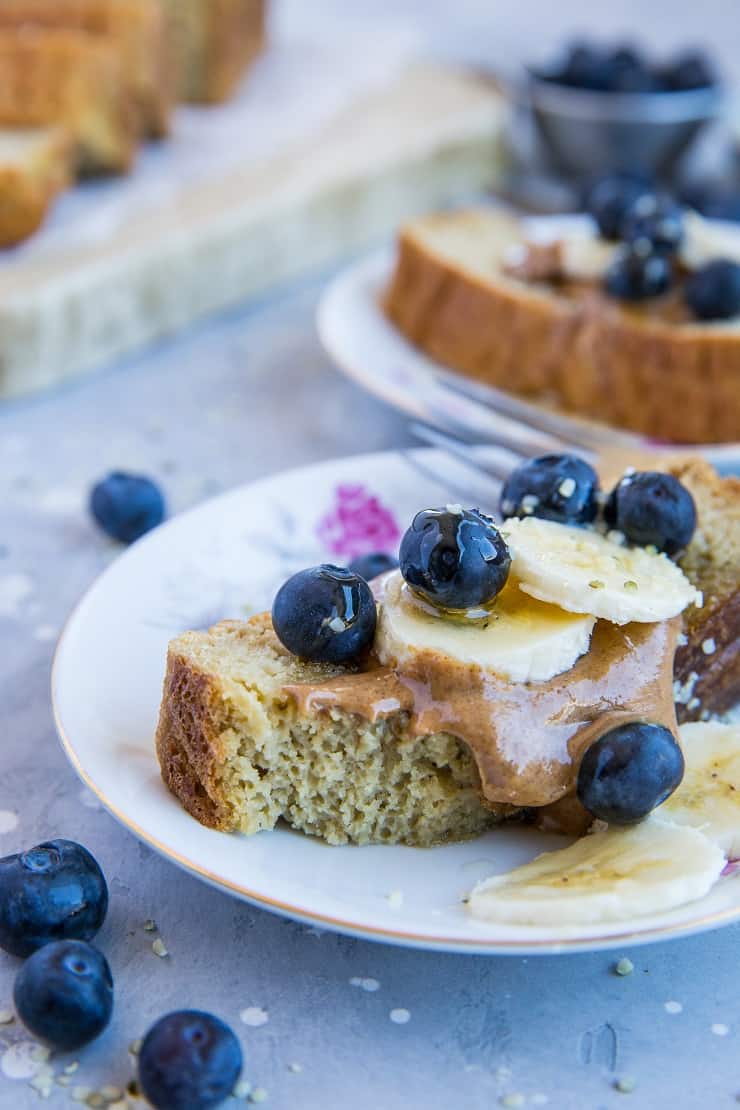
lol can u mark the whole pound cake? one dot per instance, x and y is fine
(250, 733)
(137, 28)
(74, 80)
(645, 367)
(216, 40)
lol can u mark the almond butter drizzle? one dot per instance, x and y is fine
(527, 739)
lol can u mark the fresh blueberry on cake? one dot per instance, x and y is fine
(325, 614)
(609, 200)
(654, 220)
(554, 487)
(638, 273)
(454, 558)
(629, 771)
(652, 509)
(64, 994)
(713, 292)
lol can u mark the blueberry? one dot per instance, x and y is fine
(652, 508)
(64, 993)
(189, 1060)
(126, 506)
(586, 67)
(370, 566)
(325, 614)
(691, 70)
(553, 487)
(654, 221)
(637, 275)
(455, 558)
(713, 292)
(629, 771)
(55, 891)
(609, 199)
(628, 71)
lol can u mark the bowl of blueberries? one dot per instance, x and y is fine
(600, 109)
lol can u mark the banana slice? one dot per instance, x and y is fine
(584, 572)
(607, 876)
(709, 796)
(520, 638)
(704, 240)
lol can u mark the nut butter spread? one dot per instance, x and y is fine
(527, 738)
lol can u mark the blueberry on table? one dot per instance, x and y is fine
(553, 487)
(64, 994)
(651, 508)
(126, 506)
(609, 199)
(454, 558)
(325, 614)
(713, 292)
(55, 891)
(189, 1060)
(655, 221)
(629, 771)
(370, 566)
(638, 275)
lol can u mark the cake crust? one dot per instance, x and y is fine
(450, 295)
(34, 167)
(712, 561)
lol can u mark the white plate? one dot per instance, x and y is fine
(223, 558)
(369, 349)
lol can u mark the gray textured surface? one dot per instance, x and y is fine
(224, 405)
(233, 401)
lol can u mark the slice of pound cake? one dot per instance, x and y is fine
(239, 753)
(468, 686)
(472, 292)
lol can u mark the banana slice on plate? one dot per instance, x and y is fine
(709, 796)
(585, 572)
(608, 876)
(520, 638)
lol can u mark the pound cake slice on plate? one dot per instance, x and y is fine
(237, 751)
(447, 721)
(471, 292)
(708, 664)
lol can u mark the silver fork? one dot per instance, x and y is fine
(489, 433)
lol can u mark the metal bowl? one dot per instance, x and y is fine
(587, 133)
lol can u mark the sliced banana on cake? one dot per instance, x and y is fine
(608, 876)
(520, 638)
(709, 796)
(585, 572)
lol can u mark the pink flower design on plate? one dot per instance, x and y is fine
(358, 524)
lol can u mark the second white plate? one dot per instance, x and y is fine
(366, 347)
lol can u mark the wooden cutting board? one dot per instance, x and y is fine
(432, 136)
